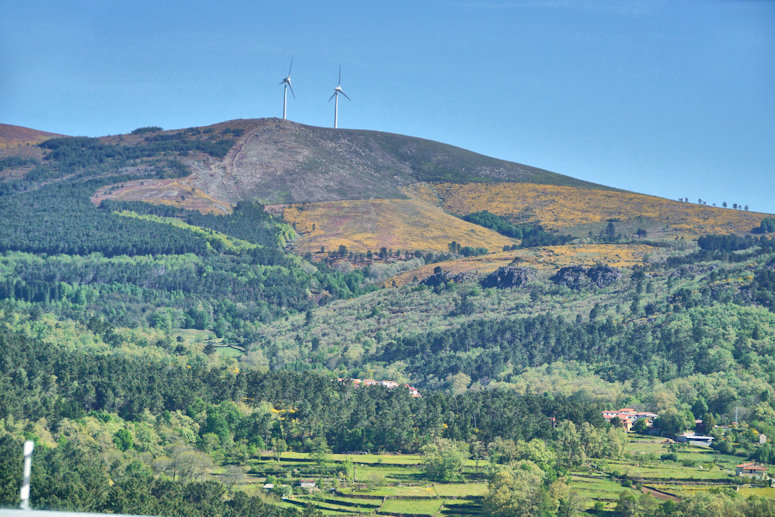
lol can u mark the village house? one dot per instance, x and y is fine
(308, 484)
(414, 392)
(628, 416)
(751, 470)
(695, 439)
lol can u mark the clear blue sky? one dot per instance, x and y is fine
(668, 98)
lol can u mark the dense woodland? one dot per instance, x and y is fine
(132, 331)
(530, 235)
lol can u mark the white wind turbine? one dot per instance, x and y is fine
(335, 96)
(286, 83)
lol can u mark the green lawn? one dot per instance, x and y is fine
(463, 506)
(761, 492)
(385, 459)
(600, 489)
(460, 489)
(429, 506)
(662, 470)
(336, 508)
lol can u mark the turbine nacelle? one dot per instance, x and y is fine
(337, 91)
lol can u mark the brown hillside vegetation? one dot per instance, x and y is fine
(566, 208)
(364, 225)
(542, 258)
(14, 136)
(278, 161)
(170, 192)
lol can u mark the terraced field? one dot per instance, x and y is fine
(394, 484)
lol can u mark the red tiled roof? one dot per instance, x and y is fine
(751, 466)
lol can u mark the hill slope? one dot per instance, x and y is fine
(579, 210)
(161, 337)
(14, 136)
(362, 189)
(278, 161)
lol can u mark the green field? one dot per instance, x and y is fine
(395, 483)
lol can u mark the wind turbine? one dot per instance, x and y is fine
(286, 83)
(335, 96)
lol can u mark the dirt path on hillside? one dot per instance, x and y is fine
(236, 150)
(659, 494)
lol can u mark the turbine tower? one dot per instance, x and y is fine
(286, 83)
(335, 96)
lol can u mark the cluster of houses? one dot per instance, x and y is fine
(307, 484)
(628, 416)
(414, 392)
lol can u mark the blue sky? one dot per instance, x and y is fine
(675, 99)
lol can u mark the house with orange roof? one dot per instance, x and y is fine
(628, 416)
(751, 469)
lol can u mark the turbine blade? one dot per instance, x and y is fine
(290, 67)
(291, 87)
(340, 75)
(282, 82)
(348, 98)
(332, 96)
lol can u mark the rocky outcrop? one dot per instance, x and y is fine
(577, 277)
(603, 276)
(508, 276)
(574, 277)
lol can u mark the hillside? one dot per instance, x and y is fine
(16, 136)
(278, 161)
(155, 312)
(366, 190)
(581, 210)
(364, 225)
(318, 176)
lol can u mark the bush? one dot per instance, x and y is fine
(767, 225)
(146, 130)
(443, 459)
